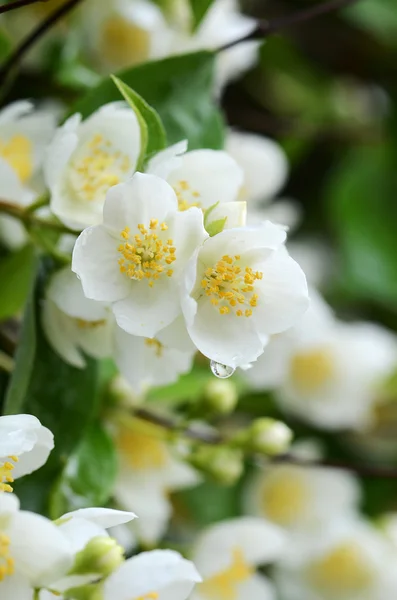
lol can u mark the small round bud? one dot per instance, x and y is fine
(220, 396)
(269, 436)
(222, 463)
(101, 555)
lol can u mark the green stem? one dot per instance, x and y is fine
(41, 201)
(29, 219)
(6, 362)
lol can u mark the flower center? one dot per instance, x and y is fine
(284, 497)
(146, 256)
(150, 596)
(185, 195)
(18, 153)
(223, 586)
(230, 287)
(96, 167)
(155, 345)
(141, 450)
(5, 474)
(6, 562)
(83, 324)
(123, 43)
(342, 570)
(311, 370)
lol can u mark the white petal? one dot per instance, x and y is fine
(39, 548)
(59, 329)
(59, 152)
(263, 162)
(95, 261)
(151, 572)
(12, 188)
(18, 434)
(176, 336)
(235, 213)
(15, 110)
(211, 176)
(66, 291)
(80, 531)
(37, 457)
(16, 587)
(9, 504)
(104, 517)
(166, 161)
(257, 587)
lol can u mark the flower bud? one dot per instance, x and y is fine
(220, 396)
(222, 463)
(101, 555)
(269, 436)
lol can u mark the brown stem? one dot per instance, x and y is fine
(34, 36)
(18, 4)
(265, 28)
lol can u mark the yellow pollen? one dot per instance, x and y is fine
(96, 166)
(146, 255)
(223, 586)
(150, 596)
(18, 153)
(6, 562)
(228, 284)
(343, 571)
(6, 478)
(141, 447)
(123, 43)
(186, 197)
(312, 369)
(284, 496)
(82, 324)
(156, 345)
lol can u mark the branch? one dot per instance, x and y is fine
(28, 218)
(34, 37)
(265, 28)
(18, 4)
(214, 438)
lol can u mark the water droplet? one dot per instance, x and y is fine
(220, 370)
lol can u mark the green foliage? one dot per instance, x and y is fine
(199, 9)
(361, 195)
(89, 475)
(216, 227)
(16, 274)
(182, 95)
(210, 502)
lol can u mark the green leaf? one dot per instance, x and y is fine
(361, 196)
(210, 502)
(208, 212)
(180, 88)
(199, 9)
(89, 475)
(16, 275)
(216, 227)
(156, 133)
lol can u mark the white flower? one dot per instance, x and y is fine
(24, 135)
(203, 178)
(316, 259)
(300, 497)
(147, 362)
(122, 33)
(136, 258)
(317, 366)
(148, 472)
(151, 575)
(33, 551)
(73, 324)
(348, 560)
(227, 555)
(265, 169)
(242, 287)
(86, 158)
(24, 447)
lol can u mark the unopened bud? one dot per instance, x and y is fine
(269, 436)
(101, 555)
(220, 396)
(222, 463)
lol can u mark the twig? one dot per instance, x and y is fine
(18, 4)
(265, 28)
(28, 218)
(214, 438)
(34, 36)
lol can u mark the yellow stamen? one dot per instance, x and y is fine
(223, 586)
(182, 191)
(312, 369)
(5, 474)
(156, 345)
(18, 153)
(6, 562)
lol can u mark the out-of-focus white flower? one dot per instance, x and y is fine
(86, 158)
(151, 575)
(227, 555)
(73, 324)
(24, 447)
(316, 259)
(327, 372)
(348, 560)
(33, 551)
(123, 33)
(148, 471)
(24, 134)
(135, 260)
(241, 288)
(147, 362)
(203, 178)
(300, 497)
(265, 169)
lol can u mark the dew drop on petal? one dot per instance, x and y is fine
(220, 370)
